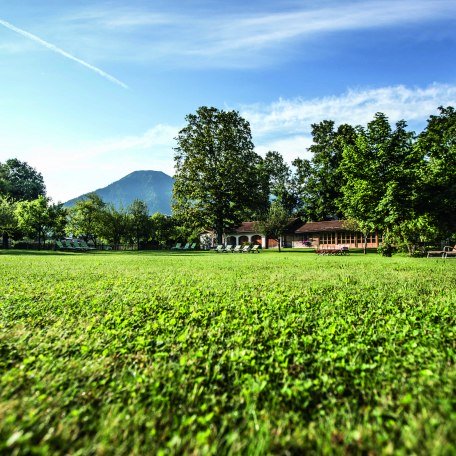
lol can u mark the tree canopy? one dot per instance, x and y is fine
(20, 182)
(218, 180)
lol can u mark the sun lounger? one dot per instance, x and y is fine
(78, 246)
(246, 249)
(85, 245)
(193, 246)
(219, 248)
(228, 249)
(186, 246)
(255, 249)
(449, 251)
(178, 246)
(237, 249)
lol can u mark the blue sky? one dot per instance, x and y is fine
(93, 90)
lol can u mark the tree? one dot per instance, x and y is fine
(218, 182)
(33, 217)
(114, 226)
(8, 221)
(438, 144)
(321, 179)
(162, 230)
(380, 170)
(86, 217)
(20, 182)
(280, 184)
(57, 214)
(274, 223)
(138, 221)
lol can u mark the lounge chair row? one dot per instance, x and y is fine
(73, 245)
(447, 252)
(187, 246)
(237, 249)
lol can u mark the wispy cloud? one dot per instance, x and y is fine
(240, 36)
(285, 125)
(60, 51)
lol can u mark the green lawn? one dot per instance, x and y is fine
(198, 352)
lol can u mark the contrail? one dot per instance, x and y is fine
(56, 49)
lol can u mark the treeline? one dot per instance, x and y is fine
(27, 215)
(376, 177)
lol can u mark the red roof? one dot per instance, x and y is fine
(245, 227)
(319, 227)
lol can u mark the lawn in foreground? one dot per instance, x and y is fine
(145, 353)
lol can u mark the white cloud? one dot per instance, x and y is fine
(285, 125)
(237, 36)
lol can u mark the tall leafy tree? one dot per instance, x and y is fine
(321, 179)
(279, 181)
(58, 220)
(380, 169)
(438, 144)
(33, 217)
(86, 217)
(218, 182)
(274, 223)
(8, 221)
(115, 225)
(138, 221)
(162, 230)
(19, 181)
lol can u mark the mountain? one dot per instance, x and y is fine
(153, 187)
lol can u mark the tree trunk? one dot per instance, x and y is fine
(278, 243)
(5, 240)
(365, 243)
(219, 230)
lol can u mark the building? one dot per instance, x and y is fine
(310, 234)
(331, 233)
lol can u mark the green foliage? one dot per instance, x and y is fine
(138, 221)
(274, 222)
(156, 353)
(320, 179)
(33, 217)
(86, 217)
(20, 182)
(438, 144)
(8, 221)
(218, 179)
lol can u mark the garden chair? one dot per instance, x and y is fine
(246, 248)
(186, 246)
(219, 248)
(178, 246)
(228, 248)
(237, 249)
(255, 249)
(193, 246)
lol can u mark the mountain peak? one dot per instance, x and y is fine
(153, 187)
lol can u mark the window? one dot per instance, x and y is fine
(327, 238)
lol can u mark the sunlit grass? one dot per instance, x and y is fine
(141, 353)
